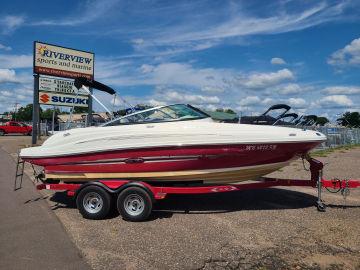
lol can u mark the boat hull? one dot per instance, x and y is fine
(206, 163)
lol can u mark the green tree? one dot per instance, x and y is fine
(24, 113)
(351, 119)
(48, 113)
(229, 111)
(81, 110)
(321, 121)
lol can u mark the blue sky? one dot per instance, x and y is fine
(244, 55)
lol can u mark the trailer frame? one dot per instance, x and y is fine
(145, 194)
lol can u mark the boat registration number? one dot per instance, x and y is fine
(261, 147)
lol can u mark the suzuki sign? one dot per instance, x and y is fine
(62, 62)
(47, 98)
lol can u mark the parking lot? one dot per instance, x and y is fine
(277, 228)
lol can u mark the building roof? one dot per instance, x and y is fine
(79, 117)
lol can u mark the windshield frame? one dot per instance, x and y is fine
(205, 116)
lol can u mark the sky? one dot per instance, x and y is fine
(243, 55)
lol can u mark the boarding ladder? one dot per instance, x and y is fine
(20, 165)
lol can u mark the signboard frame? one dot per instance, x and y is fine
(79, 74)
(60, 74)
(67, 99)
(47, 86)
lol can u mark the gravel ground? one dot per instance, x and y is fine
(277, 228)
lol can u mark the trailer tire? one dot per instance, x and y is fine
(93, 202)
(2, 132)
(134, 204)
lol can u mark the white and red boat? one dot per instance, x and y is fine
(170, 143)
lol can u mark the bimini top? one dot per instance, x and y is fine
(169, 113)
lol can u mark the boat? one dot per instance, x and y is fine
(306, 120)
(187, 148)
(269, 117)
(175, 143)
(288, 119)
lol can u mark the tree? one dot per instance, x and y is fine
(48, 113)
(81, 110)
(229, 111)
(351, 119)
(24, 113)
(225, 110)
(321, 121)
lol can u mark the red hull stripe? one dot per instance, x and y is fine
(175, 158)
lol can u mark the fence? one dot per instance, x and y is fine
(337, 136)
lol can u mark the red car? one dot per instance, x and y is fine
(15, 127)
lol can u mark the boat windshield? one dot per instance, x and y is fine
(177, 112)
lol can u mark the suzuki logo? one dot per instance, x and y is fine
(44, 98)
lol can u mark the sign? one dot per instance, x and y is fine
(62, 62)
(58, 85)
(58, 99)
(332, 130)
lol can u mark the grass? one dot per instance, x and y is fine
(326, 152)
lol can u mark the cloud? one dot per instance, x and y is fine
(267, 101)
(250, 100)
(137, 41)
(173, 96)
(159, 30)
(7, 76)
(277, 61)
(168, 73)
(335, 101)
(185, 75)
(91, 11)
(154, 102)
(297, 102)
(10, 96)
(347, 56)
(10, 23)
(145, 68)
(264, 80)
(212, 89)
(5, 48)
(292, 88)
(16, 61)
(236, 20)
(342, 90)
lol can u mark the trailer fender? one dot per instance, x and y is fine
(98, 184)
(137, 184)
(118, 190)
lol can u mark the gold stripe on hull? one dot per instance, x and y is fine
(212, 176)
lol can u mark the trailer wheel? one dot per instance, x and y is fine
(134, 204)
(93, 202)
(2, 133)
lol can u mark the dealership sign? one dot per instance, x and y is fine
(48, 98)
(62, 62)
(59, 85)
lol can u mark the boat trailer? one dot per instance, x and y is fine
(134, 199)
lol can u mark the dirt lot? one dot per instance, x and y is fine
(276, 228)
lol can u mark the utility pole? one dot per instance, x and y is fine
(15, 106)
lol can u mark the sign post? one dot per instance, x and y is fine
(89, 116)
(36, 110)
(58, 61)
